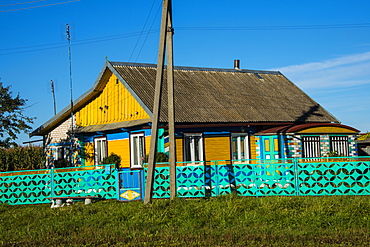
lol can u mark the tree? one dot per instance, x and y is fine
(12, 120)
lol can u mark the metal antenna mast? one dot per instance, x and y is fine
(165, 41)
(68, 34)
(54, 100)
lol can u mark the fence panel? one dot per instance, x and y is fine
(191, 181)
(25, 188)
(161, 182)
(351, 177)
(76, 182)
(38, 186)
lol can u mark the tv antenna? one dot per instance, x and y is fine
(53, 92)
(68, 34)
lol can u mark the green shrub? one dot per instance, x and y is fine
(334, 154)
(112, 159)
(21, 158)
(160, 157)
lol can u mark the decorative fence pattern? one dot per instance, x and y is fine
(288, 177)
(33, 187)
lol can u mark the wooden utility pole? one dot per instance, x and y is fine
(171, 104)
(165, 41)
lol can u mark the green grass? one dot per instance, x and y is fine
(221, 221)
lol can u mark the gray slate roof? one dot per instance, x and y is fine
(208, 95)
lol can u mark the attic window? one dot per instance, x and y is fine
(258, 76)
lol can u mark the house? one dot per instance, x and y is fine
(220, 114)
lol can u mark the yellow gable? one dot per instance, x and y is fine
(113, 104)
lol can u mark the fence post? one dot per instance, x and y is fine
(215, 163)
(52, 194)
(296, 176)
(142, 183)
(117, 182)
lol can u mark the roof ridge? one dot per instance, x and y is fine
(189, 68)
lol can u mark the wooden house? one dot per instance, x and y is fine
(220, 114)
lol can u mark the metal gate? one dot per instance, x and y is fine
(130, 185)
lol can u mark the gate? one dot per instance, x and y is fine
(130, 185)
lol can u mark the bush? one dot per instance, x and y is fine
(160, 157)
(21, 158)
(112, 159)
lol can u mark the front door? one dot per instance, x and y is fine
(270, 147)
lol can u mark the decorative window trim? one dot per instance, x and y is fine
(98, 157)
(193, 155)
(241, 154)
(59, 152)
(311, 146)
(340, 145)
(137, 154)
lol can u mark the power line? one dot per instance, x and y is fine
(84, 41)
(142, 30)
(146, 37)
(268, 28)
(127, 35)
(40, 6)
(80, 42)
(12, 4)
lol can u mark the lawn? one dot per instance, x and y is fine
(220, 221)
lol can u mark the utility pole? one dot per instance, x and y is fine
(72, 146)
(165, 41)
(54, 100)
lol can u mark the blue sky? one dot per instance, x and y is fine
(322, 46)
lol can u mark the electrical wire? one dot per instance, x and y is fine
(146, 37)
(127, 35)
(12, 4)
(142, 30)
(268, 28)
(40, 6)
(76, 43)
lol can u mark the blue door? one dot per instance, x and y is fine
(270, 147)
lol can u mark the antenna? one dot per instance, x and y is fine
(68, 34)
(53, 92)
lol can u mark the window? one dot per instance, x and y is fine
(137, 145)
(339, 145)
(311, 146)
(100, 145)
(193, 147)
(239, 146)
(59, 153)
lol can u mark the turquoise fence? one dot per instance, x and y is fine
(33, 187)
(286, 177)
